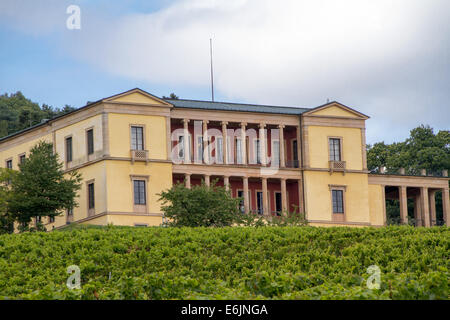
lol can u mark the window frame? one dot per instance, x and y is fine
(19, 158)
(90, 210)
(66, 150)
(278, 213)
(9, 160)
(88, 149)
(294, 152)
(218, 155)
(243, 201)
(238, 151)
(272, 153)
(142, 127)
(140, 208)
(139, 184)
(338, 216)
(340, 139)
(262, 202)
(198, 157)
(257, 151)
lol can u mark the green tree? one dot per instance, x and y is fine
(171, 96)
(18, 112)
(422, 150)
(41, 188)
(6, 219)
(200, 206)
(377, 156)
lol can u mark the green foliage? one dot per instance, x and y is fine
(18, 112)
(171, 96)
(6, 219)
(40, 188)
(422, 150)
(227, 263)
(200, 206)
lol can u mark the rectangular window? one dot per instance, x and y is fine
(181, 147)
(278, 208)
(51, 219)
(240, 194)
(238, 145)
(91, 196)
(219, 149)
(295, 153)
(259, 202)
(139, 192)
(9, 164)
(200, 148)
(69, 149)
(258, 151)
(21, 158)
(90, 141)
(338, 201)
(230, 156)
(137, 138)
(276, 153)
(335, 149)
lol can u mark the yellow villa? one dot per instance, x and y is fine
(133, 145)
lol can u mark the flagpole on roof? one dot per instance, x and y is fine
(212, 76)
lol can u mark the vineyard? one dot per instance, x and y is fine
(227, 263)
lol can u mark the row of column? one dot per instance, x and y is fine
(424, 206)
(224, 124)
(266, 210)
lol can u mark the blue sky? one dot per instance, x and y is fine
(390, 60)
(36, 66)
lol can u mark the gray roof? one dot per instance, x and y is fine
(229, 106)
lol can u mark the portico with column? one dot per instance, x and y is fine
(422, 190)
(266, 132)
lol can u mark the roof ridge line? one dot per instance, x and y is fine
(239, 103)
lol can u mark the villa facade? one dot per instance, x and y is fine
(131, 146)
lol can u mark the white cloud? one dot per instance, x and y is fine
(389, 59)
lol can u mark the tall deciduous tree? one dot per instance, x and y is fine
(41, 188)
(422, 150)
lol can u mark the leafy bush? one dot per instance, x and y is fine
(227, 263)
(200, 206)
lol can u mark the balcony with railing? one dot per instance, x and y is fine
(139, 155)
(337, 166)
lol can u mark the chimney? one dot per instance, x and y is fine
(401, 171)
(423, 172)
(445, 173)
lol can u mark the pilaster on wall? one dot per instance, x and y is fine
(364, 148)
(105, 134)
(305, 144)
